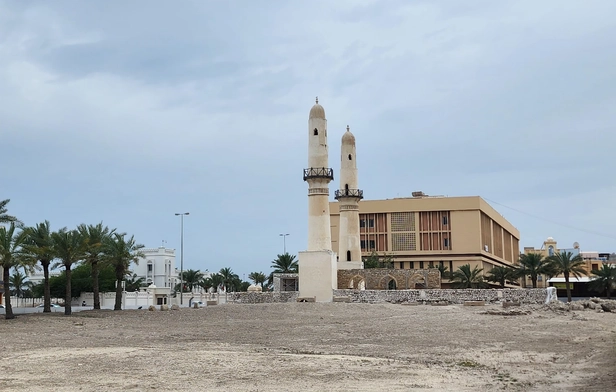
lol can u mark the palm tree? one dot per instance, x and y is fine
(257, 277)
(10, 256)
(228, 277)
(567, 264)
(465, 278)
(533, 265)
(191, 278)
(93, 236)
(443, 270)
(500, 275)
(39, 247)
(285, 264)
(215, 280)
(603, 279)
(19, 283)
(134, 282)
(4, 217)
(119, 253)
(69, 247)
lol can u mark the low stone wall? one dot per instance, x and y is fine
(262, 298)
(526, 296)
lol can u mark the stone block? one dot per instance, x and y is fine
(152, 308)
(196, 305)
(474, 303)
(410, 303)
(317, 275)
(164, 307)
(306, 299)
(340, 298)
(211, 303)
(175, 307)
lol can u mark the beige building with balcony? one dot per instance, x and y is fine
(424, 231)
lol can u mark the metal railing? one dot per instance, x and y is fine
(318, 172)
(341, 193)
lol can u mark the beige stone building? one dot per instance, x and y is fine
(423, 231)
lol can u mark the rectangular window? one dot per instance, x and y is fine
(363, 244)
(412, 265)
(446, 243)
(539, 278)
(445, 220)
(371, 223)
(362, 223)
(441, 264)
(401, 265)
(372, 244)
(149, 267)
(431, 264)
(421, 265)
(595, 266)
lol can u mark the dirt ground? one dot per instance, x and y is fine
(311, 347)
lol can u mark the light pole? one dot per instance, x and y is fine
(181, 256)
(284, 242)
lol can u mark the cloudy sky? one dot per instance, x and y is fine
(128, 112)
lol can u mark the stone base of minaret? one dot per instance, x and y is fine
(318, 275)
(347, 265)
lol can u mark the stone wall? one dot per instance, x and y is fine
(527, 296)
(379, 278)
(262, 298)
(278, 280)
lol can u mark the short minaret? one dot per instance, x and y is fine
(318, 175)
(349, 195)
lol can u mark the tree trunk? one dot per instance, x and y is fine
(95, 289)
(46, 289)
(533, 278)
(68, 296)
(118, 296)
(8, 309)
(568, 288)
(609, 290)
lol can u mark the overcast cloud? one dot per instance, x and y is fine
(128, 112)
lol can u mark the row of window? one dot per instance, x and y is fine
(371, 244)
(366, 223)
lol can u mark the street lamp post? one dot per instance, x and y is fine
(181, 255)
(284, 242)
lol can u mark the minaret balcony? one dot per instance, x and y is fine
(344, 193)
(318, 172)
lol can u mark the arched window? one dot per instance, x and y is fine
(391, 285)
(551, 251)
(348, 255)
(346, 188)
(350, 157)
(316, 132)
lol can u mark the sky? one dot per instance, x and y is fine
(130, 112)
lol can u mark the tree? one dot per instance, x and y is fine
(19, 283)
(134, 282)
(69, 248)
(215, 281)
(10, 256)
(566, 263)
(465, 278)
(119, 253)
(4, 217)
(257, 278)
(93, 237)
(285, 264)
(443, 270)
(228, 277)
(533, 265)
(39, 246)
(603, 279)
(501, 274)
(81, 280)
(191, 278)
(376, 261)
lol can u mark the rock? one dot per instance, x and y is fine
(575, 306)
(508, 304)
(609, 306)
(344, 298)
(152, 308)
(196, 305)
(175, 307)
(164, 307)
(474, 303)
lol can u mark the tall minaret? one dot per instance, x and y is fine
(349, 196)
(318, 175)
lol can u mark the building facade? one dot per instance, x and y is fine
(422, 232)
(158, 267)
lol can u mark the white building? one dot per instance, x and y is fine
(158, 267)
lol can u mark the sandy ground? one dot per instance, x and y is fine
(310, 347)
